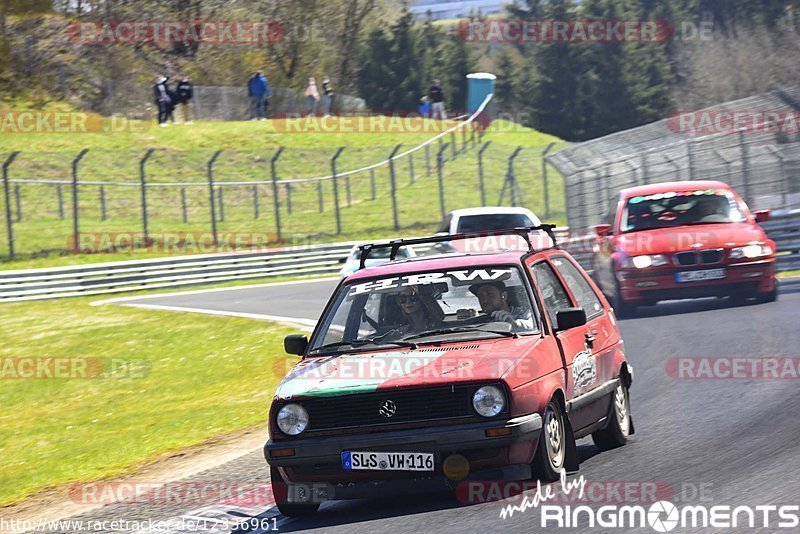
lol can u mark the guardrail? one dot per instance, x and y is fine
(118, 277)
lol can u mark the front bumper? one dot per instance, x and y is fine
(660, 283)
(316, 462)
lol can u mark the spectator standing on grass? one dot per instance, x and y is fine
(258, 90)
(437, 100)
(424, 107)
(184, 92)
(312, 96)
(162, 99)
(327, 97)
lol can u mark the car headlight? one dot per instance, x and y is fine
(750, 251)
(648, 260)
(489, 401)
(292, 419)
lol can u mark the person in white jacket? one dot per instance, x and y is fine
(312, 96)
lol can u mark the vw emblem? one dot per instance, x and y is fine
(387, 409)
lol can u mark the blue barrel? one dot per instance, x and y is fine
(479, 86)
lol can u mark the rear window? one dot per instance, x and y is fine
(495, 221)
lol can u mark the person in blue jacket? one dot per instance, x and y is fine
(258, 90)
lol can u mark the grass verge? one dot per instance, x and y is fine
(175, 381)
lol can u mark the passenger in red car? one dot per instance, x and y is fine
(420, 311)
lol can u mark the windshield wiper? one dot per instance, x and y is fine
(460, 329)
(362, 342)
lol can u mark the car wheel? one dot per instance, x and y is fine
(619, 427)
(622, 308)
(769, 296)
(552, 450)
(280, 492)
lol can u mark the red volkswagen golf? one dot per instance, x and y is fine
(680, 240)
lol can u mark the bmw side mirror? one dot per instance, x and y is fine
(762, 215)
(295, 344)
(602, 230)
(343, 260)
(569, 318)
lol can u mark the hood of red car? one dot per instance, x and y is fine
(364, 372)
(665, 240)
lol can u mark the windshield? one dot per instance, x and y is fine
(449, 304)
(680, 208)
(495, 221)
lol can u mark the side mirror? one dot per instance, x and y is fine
(295, 344)
(570, 318)
(602, 230)
(762, 215)
(343, 260)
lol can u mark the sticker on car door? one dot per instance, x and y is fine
(584, 371)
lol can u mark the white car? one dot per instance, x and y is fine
(376, 257)
(486, 218)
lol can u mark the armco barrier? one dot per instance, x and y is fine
(117, 277)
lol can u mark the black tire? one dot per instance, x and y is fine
(769, 296)
(280, 493)
(622, 308)
(619, 427)
(551, 453)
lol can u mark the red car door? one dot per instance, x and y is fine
(572, 343)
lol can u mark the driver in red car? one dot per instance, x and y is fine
(493, 297)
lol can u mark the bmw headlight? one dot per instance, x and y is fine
(647, 260)
(750, 251)
(489, 401)
(292, 419)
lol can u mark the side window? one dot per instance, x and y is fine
(554, 295)
(584, 295)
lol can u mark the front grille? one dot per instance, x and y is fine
(686, 258)
(412, 405)
(711, 256)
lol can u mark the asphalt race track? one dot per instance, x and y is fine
(702, 441)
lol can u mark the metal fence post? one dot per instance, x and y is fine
(143, 181)
(786, 187)
(372, 183)
(75, 215)
(221, 200)
(320, 196)
(393, 183)
(480, 172)
(60, 193)
(411, 167)
(349, 193)
(255, 202)
(511, 179)
(288, 188)
(545, 184)
(453, 144)
(745, 165)
(440, 174)
(275, 199)
(336, 190)
(184, 211)
(211, 201)
(9, 222)
(102, 203)
(17, 203)
(463, 140)
(428, 160)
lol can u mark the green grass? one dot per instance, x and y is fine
(207, 376)
(42, 235)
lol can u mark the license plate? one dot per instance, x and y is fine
(388, 461)
(699, 276)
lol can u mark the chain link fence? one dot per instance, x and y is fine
(762, 164)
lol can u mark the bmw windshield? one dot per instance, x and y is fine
(680, 208)
(446, 305)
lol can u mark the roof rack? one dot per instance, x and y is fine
(523, 232)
